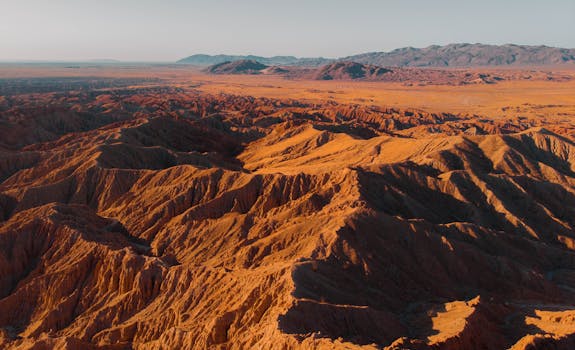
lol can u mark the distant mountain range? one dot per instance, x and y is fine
(452, 55)
(468, 55)
(208, 60)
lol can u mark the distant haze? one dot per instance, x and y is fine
(167, 30)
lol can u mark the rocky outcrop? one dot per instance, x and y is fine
(349, 70)
(237, 67)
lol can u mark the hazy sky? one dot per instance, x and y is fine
(166, 30)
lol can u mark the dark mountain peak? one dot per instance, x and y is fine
(343, 70)
(237, 67)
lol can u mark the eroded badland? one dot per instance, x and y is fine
(160, 207)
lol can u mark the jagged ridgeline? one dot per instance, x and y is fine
(453, 55)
